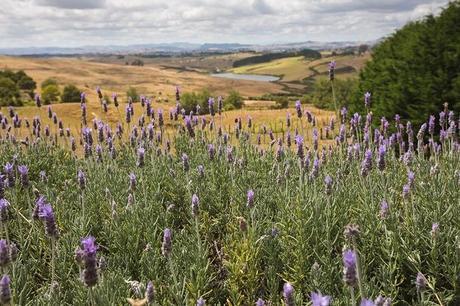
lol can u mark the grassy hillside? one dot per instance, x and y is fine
(151, 79)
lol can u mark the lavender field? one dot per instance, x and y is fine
(118, 213)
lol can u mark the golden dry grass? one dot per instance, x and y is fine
(150, 80)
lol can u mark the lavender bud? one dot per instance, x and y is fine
(166, 247)
(349, 270)
(288, 294)
(195, 205)
(5, 291)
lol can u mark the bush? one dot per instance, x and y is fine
(189, 101)
(321, 95)
(234, 98)
(132, 93)
(50, 94)
(49, 81)
(9, 92)
(19, 85)
(70, 94)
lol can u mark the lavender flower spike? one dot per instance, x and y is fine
(366, 302)
(250, 196)
(5, 291)
(288, 294)
(260, 302)
(201, 302)
(349, 269)
(166, 247)
(195, 205)
(4, 207)
(150, 293)
(86, 256)
(318, 299)
(47, 215)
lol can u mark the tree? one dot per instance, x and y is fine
(70, 94)
(416, 70)
(132, 93)
(321, 94)
(49, 81)
(235, 99)
(9, 92)
(50, 94)
(363, 48)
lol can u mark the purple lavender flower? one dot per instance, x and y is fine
(81, 178)
(4, 207)
(150, 293)
(367, 99)
(383, 209)
(299, 143)
(195, 205)
(315, 139)
(47, 215)
(434, 230)
(220, 104)
(411, 178)
(260, 302)
(132, 182)
(201, 302)
(349, 270)
(431, 124)
(166, 247)
(381, 158)
(8, 169)
(5, 291)
(288, 294)
(406, 191)
(200, 170)
(38, 101)
(185, 162)
(366, 302)
(332, 66)
(5, 258)
(298, 108)
(250, 198)
(188, 125)
(211, 106)
(87, 257)
(140, 157)
(211, 151)
(366, 164)
(318, 299)
(420, 282)
(328, 184)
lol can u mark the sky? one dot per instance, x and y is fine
(73, 23)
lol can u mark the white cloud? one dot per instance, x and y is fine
(98, 22)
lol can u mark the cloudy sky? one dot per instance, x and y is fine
(70, 23)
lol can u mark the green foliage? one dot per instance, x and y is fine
(307, 53)
(235, 99)
(14, 85)
(416, 70)
(9, 92)
(321, 95)
(189, 101)
(50, 94)
(49, 81)
(70, 94)
(132, 93)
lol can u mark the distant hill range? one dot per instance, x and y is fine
(179, 47)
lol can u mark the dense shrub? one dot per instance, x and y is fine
(70, 93)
